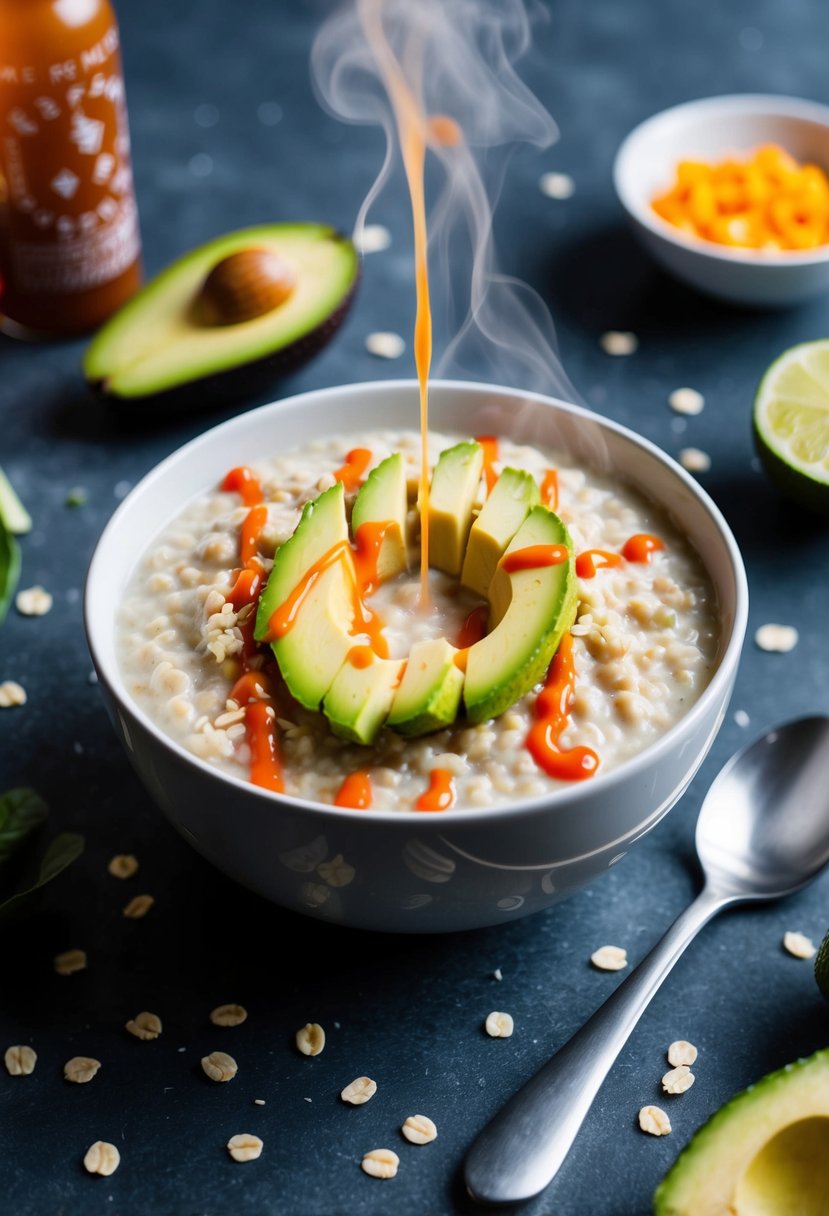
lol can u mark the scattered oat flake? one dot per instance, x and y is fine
(70, 961)
(145, 1026)
(372, 238)
(33, 601)
(385, 345)
(419, 1129)
(678, 1080)
(11, 694)
(497, 974)
(258, 1101)
(682, 1052)
(557, 185)
(20, 1060)
(782, 638)
(358, 1091)
(245, 1147)
(742, 718)
(228, 1015)
(123, 865)
(616, 342)
(381, 1163)
(695, 460)
(499, 1025)
(102, 1158)
(609, 958)
(219, 1066)
(654, 1121)
(799, 945)
(686, 401)
(310, 1040)
(138, 906)
(81, 1069)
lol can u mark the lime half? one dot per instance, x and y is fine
(822, 967)
(791, 423)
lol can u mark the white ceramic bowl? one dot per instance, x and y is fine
(710, 130)
(414, 872)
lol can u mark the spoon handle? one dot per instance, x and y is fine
(520, 1151)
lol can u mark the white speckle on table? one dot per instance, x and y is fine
(121, 489)
(206, 115)
(557, 185)
(201, 165)
(269, 113)
(741, 718)
(497, 973)
(779, 638)
(372, 238)
(686, 401)
(618, 342)
(385, 345)
(750, 38)
(695, 460)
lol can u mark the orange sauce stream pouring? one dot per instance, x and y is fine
(549, 489)
(489, 443)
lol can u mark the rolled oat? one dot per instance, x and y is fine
(654, 1121)
(799, 945)
(11, 694)
(33, 601)
(359, 1091)
(499, 1025)
(682, 1052)
(219, 1066)
(678, 1080)
(419, 1129)
(138, 907)
(81, 1069)
(310, 1039)
(245, 1147)
(123, 865)
(20, 1060)
(145, 1026)
(70, 961)
(381, 1163)
(228, 1015)
(609, 958)
(102, 1158)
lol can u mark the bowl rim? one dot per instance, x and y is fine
(725, 105)
(110, 676)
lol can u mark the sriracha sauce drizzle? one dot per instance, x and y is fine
(355, 792)
(440, 794)
(552, 713)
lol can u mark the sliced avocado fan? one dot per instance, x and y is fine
(322, 655)
(274, 293)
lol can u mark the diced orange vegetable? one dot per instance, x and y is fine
(765, 201)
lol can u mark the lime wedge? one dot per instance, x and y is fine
(791, 423)
(822, 967)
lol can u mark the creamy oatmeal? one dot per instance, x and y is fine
(642, 646)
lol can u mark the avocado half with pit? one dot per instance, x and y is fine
(312, 589)
(764, 1152)
(228, 316)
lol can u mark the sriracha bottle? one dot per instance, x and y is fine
(69, 241)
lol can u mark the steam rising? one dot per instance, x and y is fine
(458, 58)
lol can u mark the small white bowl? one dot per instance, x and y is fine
(460, 869)
(710, 130)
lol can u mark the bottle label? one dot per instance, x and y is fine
(69, 211)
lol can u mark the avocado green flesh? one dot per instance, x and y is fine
(153, 343)
(315, 647)
(503, 513)
(357, 703)
(765, 1153)
(382, 500)
(455, 484)
(532, 610)
(430, 691)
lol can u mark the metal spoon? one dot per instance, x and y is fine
(763, 832)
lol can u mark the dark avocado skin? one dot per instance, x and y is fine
(246, 379)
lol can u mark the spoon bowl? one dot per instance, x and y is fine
(763, 832)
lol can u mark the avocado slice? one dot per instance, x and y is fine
(182, 328)
(530, 610)
(358, 701)
(513, 495)
(382, 500)
(430, 691)
(452, 495)
(314, 649)
(766, 1151)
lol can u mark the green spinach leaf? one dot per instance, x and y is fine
(63, 850)
(21, 812)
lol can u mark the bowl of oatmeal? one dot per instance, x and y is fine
(332, 782)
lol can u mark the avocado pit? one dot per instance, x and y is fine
(243, 286)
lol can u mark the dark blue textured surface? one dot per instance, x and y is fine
(406, 1011)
